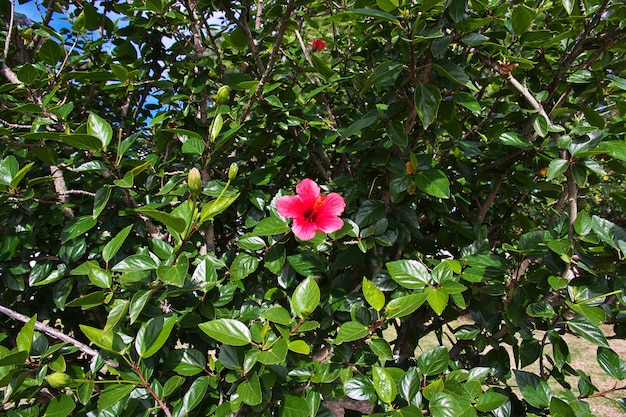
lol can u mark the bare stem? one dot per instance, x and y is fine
(54, 333)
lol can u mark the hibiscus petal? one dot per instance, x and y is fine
(309, 192)
(303, 229)
(334, 205)
(290, 206)
(328, 224)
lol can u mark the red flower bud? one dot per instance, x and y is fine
(318, 45)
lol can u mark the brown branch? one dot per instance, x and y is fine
(54, 334)
(147, 386)
(484, 208)
(61, 190)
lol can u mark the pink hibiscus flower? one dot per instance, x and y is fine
(312, 211)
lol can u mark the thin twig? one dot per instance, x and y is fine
(54, 333)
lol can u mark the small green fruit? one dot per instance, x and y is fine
(223, 94)
(59, 380)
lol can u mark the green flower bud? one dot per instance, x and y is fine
(232, 171)
(223, 94)
(59, 380)
(194, 182)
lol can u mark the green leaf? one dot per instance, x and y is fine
(468, 101)
(100, 201)
(515, 140)
(557, 167)
(437, 299)
(250, 390)
(187, 362)
(384, 384)
(356, 127)
(490, 400)
(174, 274)
(227, 331)
(445, 404)
(153, 334)
(381, 348)
(135, 263)
(305, 298)
(405, 305)
(277, 315)
(8, 168)
(521, 18)
(299, 346)
(540, 309)
(172, 222)
(377, 14)
(322, 68)
(116, 314)
(373, 295)
(114, 245)
(568, 5)
(24, 339)
(270, 226)
(589, 331)
(409, 273)
(216, 127)
(559, 408)
(60, 406)
(433, 182)
(534, 389)
(611, 363)
(193, 397)
(275, 259)
(80, 226)
(369, 212)
(275, 355)
(50, 52)
(427, 98)
(243, 266)
(454, 73)
(434, 361)
(110, 341)
(19, 175)
(595, 315)
(112, 395)
(99, 128)
(351, 330)
(100, 277)
(215, 207)
(294, 406)
(387, 5)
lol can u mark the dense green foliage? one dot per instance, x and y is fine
(479, 147)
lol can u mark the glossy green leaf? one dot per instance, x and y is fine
(427, 98)
(78, 227)
(153, 334)
(294, 406)
(437, 299)
(350, 331)
(381, 348)
(60, 406)
(215, 207)
(433, 182)
(99, 128)
(243, 266)
(299, 346)
(193, 397)
(611, 363)
(112, 395)
(409, 273)
(249, 390)
(114, 245)
(490, 400)
(405, 305)
(589, 331)
(559, 408)
(270, 226)
(377, 14)
(227, 331)
(172, 222)
(8, 168)
(100, 277)
(117, 313)
(373, 295)
(384, 384)
(556, 167)
(521, 19)
(135, 263)
(305, 298)
(110, 341)
(275, 355)
(534, 389)
(434, 361)
(24, 339)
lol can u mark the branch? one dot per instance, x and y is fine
(6, 71)
(61, 189)
(484, 208)
(54, 334)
